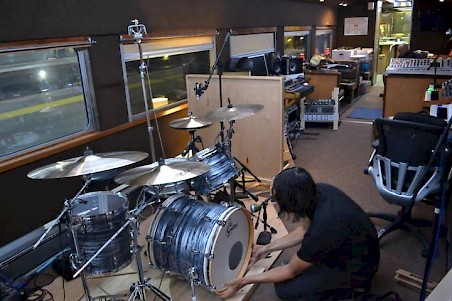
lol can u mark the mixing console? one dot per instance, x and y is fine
(420, 66)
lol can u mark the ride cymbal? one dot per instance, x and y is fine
(189, 123)
(88, 164)
(162, 172)
(231, 113)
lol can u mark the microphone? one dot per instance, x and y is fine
(198, 90)
(257, 207)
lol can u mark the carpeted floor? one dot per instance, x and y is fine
(339, 158)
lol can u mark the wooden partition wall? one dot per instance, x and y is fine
(324, 83)
(257, 141)
(405, 93)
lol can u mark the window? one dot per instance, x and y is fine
(324, 41)
(257, 48)
(166, 62)
(44, 96)
(296, 43)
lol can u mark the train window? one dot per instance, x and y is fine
(324, 41)
(297, 43)
(43, 97)
(166, 62)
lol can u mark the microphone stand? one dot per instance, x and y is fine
(137, 30)
(265, 236)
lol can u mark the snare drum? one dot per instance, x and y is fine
(210, 239)
(222, 169)
(96, 217)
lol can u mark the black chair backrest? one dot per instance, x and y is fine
(406, 141)
(421, 117)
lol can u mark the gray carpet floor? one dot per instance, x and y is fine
(339, 158)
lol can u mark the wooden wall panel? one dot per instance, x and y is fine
(257, 141)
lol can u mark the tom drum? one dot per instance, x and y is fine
(96, 217)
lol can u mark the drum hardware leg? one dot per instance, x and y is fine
(138, 288)
(192, 275)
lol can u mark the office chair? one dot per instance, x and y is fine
(399, 167)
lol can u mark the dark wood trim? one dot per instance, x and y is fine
(46, 43)
(297, 28)
(129, 39)
(48, 151)
(240, 31)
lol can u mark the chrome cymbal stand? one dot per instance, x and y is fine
(139, 288)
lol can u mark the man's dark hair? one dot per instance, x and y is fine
(295, 191)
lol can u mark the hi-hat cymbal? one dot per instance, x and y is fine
(162, 172)
(85, 165)
(189, 123)
(230, 113)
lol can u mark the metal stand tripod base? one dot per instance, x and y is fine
(139, 291)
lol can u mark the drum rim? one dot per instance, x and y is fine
(124, 206)
(247, 257)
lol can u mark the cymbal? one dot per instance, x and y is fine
(88, 164)
(232, 113)
(162, 172)
(189, 123)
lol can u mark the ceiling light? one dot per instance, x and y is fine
(321, 0)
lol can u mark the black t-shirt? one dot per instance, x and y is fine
(341, 235)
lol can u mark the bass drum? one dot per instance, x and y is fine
(210, 239)
(96, 217)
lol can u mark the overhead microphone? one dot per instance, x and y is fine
(198, 90)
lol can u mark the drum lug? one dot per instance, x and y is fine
(209, 256)
(206, 219)
(221, 223)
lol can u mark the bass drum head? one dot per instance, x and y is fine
(232, 246)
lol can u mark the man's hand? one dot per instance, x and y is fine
(258, 253)
(234, 287)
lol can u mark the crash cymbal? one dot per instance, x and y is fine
(162, 172)
(230, 113)
(189, 123)
(88, 164)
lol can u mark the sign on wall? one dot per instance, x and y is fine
(356, 26)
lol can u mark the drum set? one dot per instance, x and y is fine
(189, 237)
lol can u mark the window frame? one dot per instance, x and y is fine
(80, 46)
(153, 46)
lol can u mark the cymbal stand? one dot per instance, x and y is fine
(139, 288)
(192, 144)
(243, 168)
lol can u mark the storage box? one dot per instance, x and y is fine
(364, 86)
(342, 55)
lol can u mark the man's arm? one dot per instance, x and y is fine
(291, 239)
(295, 267)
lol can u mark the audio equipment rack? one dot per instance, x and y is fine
(321, 110)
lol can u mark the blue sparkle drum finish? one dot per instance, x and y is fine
(222, 169)
(213, 239)
(96, 217)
